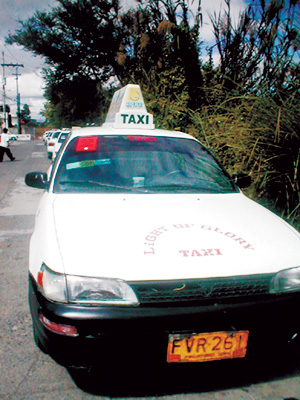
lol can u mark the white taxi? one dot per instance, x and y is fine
(45, 135)
(142, 241)
(58, 143)
(50, 143)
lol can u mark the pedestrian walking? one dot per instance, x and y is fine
(4, 146)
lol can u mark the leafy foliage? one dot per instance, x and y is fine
(261, 138)
(158, 37)
(73, 39)
(76, 101)
(25, 114)
(259, 53)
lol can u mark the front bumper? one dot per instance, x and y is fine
(126, 332)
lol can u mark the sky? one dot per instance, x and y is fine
(30, 83)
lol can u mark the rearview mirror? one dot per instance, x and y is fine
(241, 180)
(37, 180)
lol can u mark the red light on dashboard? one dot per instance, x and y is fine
(87, 143)
(141, 138)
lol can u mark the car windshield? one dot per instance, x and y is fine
(139, 164)
(55, 135)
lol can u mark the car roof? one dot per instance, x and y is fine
(106, 130)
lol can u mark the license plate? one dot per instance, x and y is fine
(207, 346)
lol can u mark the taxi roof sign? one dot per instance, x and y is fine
(128, 110)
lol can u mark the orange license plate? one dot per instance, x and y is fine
(207, 346)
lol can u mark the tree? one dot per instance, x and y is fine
(90, 41)
(261, 52)
(79, 41)
(73, 37)
(160, 37)
(25, 114)
(76, 101)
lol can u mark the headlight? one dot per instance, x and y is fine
(287, 280)
(85, 290)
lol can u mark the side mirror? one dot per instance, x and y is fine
(37, 180)
(241, 180)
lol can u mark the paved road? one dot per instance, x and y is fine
(28, 374)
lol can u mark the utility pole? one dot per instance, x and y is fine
(18, 101)
(4, 98)
(18, 95)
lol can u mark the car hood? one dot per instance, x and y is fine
(158, 237)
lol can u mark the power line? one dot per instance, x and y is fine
(34, 68)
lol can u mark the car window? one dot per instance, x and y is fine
(55, 135)
(63, 137)
(139, 164)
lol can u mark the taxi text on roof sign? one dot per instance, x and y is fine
(128, 110)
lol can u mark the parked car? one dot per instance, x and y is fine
(144, 243)
(58, 143)
(51, 140)
(46, 135)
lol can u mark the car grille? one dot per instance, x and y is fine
(202, 289)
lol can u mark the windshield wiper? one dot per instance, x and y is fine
(104, 185)
(181, 187)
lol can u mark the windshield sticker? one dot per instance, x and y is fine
(88, 143)
(88, 163)
(152, 237)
